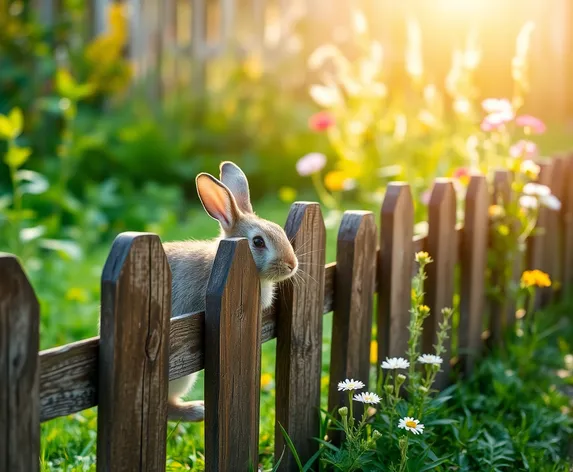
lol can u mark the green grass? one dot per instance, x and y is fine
(69, 300)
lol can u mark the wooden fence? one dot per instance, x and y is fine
(125, 372)
(173, 41)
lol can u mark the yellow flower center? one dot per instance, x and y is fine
(411, 424)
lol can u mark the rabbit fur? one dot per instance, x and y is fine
(228, 201)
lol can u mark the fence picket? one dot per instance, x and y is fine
(134, 355)
(441, 245)
(352, 320)
(553, 239)
(232, 360)
(473, 267)
(396, 259)
(567, 223)
(198, 44)
(299, 338)
(19, 372)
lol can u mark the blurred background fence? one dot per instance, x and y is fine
(173, 41)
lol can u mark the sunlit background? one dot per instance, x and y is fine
(109, 110)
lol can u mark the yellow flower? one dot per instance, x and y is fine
(424, 309)
(287, 194)
(503, 230)
(109, 70)
(423, 257)
(374, 352)
(266, 380)
(334, 180)
(535, 278)
(496, 211)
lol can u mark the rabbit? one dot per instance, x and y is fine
(227, 201)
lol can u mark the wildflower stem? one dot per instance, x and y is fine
(327, 199)
(403, 454)
(351, 409)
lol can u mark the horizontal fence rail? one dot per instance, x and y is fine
(126, 371)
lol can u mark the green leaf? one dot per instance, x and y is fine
(5, 201)
(16, 118)
(29, 234)
(65, 83)
(6, 131)
(84, 91)
(16, 157)
(311, 461)
(67, 248)
(291, 447)
(35, 183)
(278, 463)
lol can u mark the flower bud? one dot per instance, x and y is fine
(376, 434)
(400, 379)
(423, 258)
(424, 310)
(343, 411)
(389, 388)
(423, 389)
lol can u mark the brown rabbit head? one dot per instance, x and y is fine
(228, 201)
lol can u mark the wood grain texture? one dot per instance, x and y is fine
(134, 355)
(442, 246)
(19, 379)
(395, 265)
(554, 251)
(299, 338)
(473, 254)
(567, 223)
(232, 360)
(68, 378)
(352, 318)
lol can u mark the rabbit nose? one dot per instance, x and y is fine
(292, 264)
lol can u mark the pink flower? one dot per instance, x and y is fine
(523, 148)
(531, 124)
(495, 120)
(497, 105)
(310, 163)
(321, 121)
(425, 197)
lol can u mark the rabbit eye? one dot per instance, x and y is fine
(259, 242)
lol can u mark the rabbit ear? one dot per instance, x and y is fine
(217, 200)
(234, 178)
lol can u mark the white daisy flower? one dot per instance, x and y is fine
(367, 397)
(530, 168)
(528, 202)
(551, 202)
(395, 363)
(430, 359)
(411, 424)
(536, 190)
(350, 385)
